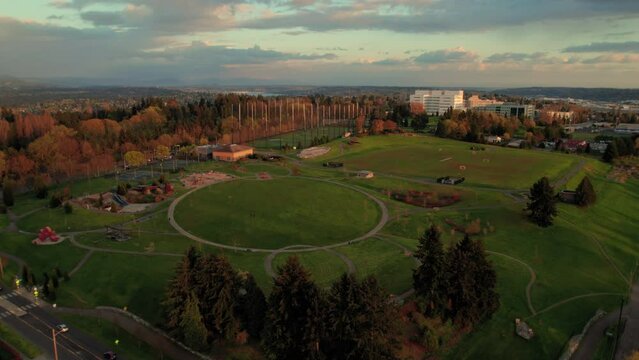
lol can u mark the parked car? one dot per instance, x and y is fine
(110, 355)
(333, 164)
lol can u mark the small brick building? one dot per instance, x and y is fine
(232, 152)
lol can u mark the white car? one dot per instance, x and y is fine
(62, 328)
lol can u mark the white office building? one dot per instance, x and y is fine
(437, 102)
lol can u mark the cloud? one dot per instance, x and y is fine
(441, 16)
(616, 47)
(390, 62)
(613, 58)
(455, 55)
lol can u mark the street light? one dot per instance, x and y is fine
(55, 344)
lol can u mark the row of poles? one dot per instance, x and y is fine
(290, 115)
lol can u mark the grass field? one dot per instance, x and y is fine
(431, 157)
(269, 214)
(17, 342)
(294, 138)
(589, 252)
(128, 346)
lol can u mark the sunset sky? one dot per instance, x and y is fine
(493, 43)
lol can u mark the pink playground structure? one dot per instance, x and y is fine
(47, 235)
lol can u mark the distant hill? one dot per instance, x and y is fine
(599, 94)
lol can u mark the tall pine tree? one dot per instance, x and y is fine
(361, 322)
(543, 204)
(586, 195)
(252, 306)
(217, 288)
(429, 279)
(294, 323)
(178, 290)
(472, 281)
(611, 153)
(191, 324)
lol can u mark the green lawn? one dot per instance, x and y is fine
(106, 332)
(80, 219)
(587, 251)
(294, 138)
(270, 214)
(324, 267)
(432, 157)
(384, 260)
(18, 342)
(137, 282)
(41, 258)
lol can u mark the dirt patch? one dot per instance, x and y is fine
(264, 176)
(624, 169)
(313, 152)
(203, 179)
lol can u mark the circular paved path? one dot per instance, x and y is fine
(382, 222)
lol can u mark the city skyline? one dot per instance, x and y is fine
(492, 43)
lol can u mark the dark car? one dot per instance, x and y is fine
(110, 355)
(333, 164)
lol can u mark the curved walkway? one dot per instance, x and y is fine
(115, 251)
(382, 222)
(533, 278)
(268, 260)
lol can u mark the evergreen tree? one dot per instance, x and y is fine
(217, 288)
(178, 290)
(543, 204)
(472, 281)
(586, 195)
(429, 279)
(252, 306)
(611, 152)
(294, 324)
(191, 324)
(361, 323)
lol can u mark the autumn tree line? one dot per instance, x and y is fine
(60, 145)
(209, 305)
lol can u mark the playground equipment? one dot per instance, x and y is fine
(47, 234)
(118, 234)
(118, 199)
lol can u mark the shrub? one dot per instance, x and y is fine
(121, 190)
(40, 187)
(7, 193)
(68, 209)
(55, 201)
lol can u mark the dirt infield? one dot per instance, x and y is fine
(202, 179)
(313, 152)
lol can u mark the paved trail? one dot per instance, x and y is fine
(629, 339)
(382, 222)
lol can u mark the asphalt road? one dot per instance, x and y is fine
(36, 326)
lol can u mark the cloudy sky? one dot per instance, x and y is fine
(491, 43)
